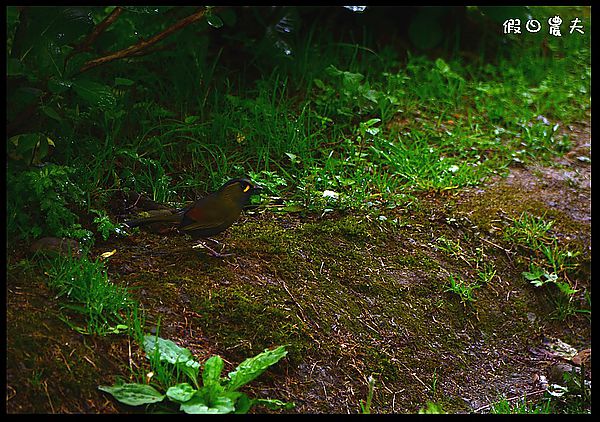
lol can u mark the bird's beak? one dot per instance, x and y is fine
(256, 189)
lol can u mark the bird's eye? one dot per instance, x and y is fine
(246, 188)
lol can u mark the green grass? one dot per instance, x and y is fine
(363, 122)
(462, 289)
(432, 408)
(533, 233)
(85, 289)
(486, 273)
(550, 262)
(522, 406)
(449, 246)
(528, 230)
(575, 399)
(463, 124)
(365, 405)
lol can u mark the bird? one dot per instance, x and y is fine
(210, 215)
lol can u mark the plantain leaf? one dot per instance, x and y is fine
(253, 367)
(169, 351)
(181, 392)
(212, 371)
(133, 394)
(199, 404)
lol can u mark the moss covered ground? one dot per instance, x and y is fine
(352, 295)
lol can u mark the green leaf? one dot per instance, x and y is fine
(169, 351)
(373, 95)
(432, 408)
(531, 276)
(58, 86)
(95, 93)
(118, 329)
(50, 112)
(351, 81)
(212, 392)
(133, 394)
(319, 83)
(370, 122)
(537, 282)
(243, 404)
(333, 71)
(253, 367)
(445, 70)
(199, 404)
(26, 142)
(181, 392)
(214, 21)
(566, 288)
(72, 23)
(58, 25)
(43, 148)
(191, 119)
(124, 82)
(212, 371)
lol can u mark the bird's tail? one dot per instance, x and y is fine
(168, 218)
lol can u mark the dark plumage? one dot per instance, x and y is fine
(210, 215)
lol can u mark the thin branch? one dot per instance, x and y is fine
(136, 49)
(93, 36)
(100, 28)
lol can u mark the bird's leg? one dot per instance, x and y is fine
(211, 250)
(216, 242)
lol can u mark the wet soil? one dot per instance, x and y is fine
(353, 296)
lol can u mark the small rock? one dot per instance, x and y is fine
(559, 347)
(56, 246)
(584, 159)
